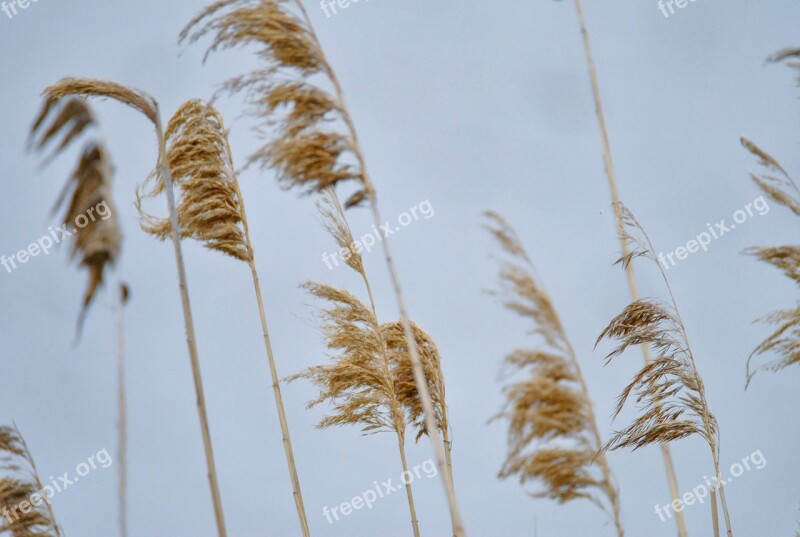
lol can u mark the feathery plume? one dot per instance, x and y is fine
(20, 483)
(669, 389)
(211, 210)
(365, 382)
(88, 189)
(553, 436)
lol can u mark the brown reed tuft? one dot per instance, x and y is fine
(367, 382)
(669, 390)
(98, 243)
(553, 436)
(211, 210)
(20, 482)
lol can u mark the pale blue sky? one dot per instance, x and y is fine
(472, 106)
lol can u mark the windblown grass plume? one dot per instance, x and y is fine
(97, 244)
(366, 384)
(211, 210)
(553, 436)
(20, 481)
(316, 145)
(776, 182)
(147, 105)
(668, 390)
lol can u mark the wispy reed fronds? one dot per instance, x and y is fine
(20, 483)
(553, 436)
(211, 210)
(97, 244)
(147, 105)
(315, 145)
(366, 383)
(669, 390)
(666, 455)
(779, 185)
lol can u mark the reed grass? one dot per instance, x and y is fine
(778, 184)
(20, 481)
(316, 145)
(147, 105)
(212, 211)
(553, 437)
(666, 454)
(366, 384)
(669, 390)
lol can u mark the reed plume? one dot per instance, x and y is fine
(366, 384)
(779, 185)
(211, 210)
(633, 287)
(668, 390)
(89, 186)
(315, 145)
(145, 104)
(21, 483)
(553, 436)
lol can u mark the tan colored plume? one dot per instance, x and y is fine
(553, 438)
(669, 391)
(97, 243)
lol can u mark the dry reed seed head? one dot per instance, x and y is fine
(548, 411)
(359, 383)
(16, 486)
(405, 386)
(335, 223)
(98, 243)
(780, 188)
(304, 151)
(201, 164)
(91, 87)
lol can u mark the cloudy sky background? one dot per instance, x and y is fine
(472, 106)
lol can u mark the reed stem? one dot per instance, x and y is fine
(175, 233)
(666, 453)
(409, 494)
(122, 441)
(276, 388)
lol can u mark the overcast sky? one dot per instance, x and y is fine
(471, 105)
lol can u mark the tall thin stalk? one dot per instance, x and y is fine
(276, 388)
(666, 454)
(163, 165)
(122, 409)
